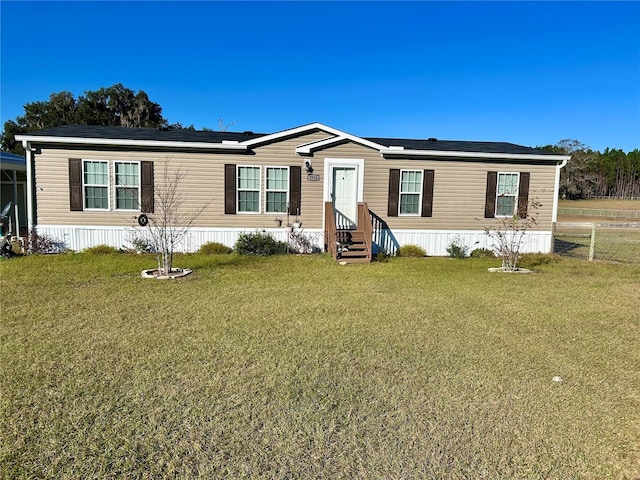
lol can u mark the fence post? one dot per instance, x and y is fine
(592, 247)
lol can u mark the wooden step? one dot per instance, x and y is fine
(352, 246)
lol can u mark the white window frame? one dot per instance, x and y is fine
(515, 195)
(238, 189)
(85, 185)
(116, 186)
(267, 190)
(419, 193)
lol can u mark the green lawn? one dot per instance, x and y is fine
(295, 367)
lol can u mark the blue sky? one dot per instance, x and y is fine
(530, 73)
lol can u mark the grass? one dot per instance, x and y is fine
(601, 203)
(612, 244)
(295, 367)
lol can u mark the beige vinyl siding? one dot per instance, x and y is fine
(203, 184)
(458, 197)
(459, 188)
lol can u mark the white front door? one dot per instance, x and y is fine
(344, 196)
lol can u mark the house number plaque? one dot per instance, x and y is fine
(312, 177)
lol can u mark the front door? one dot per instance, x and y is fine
(344, 196)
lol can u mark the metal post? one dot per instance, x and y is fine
(15, 204)
(592, 247)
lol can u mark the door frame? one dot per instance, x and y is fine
(331, 163)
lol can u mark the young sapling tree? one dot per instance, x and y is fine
(168, 223)
(509, 234)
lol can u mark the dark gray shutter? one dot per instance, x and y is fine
(295, 189)
(146, 187)
(427, 193)
(394, 192)
(75, 184)
(523, 194)
(490, 199)
(230, 188)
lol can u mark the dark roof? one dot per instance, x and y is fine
(198, 136)
(151, 134)
(458, 146)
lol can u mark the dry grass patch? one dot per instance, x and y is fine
(294, 367)
(610, 204)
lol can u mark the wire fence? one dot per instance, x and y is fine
(623, 215)
(615, 242)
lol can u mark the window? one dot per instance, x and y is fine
(506, 194)
(91, 184)
(243, 189)
(127, 182)
(249, 189)
(96, 185)
(410, 192)
(277, 189)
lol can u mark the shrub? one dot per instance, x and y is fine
(214, 248)
(482, 253)
(259, 243)
(302, 243)
(382, 256)
(457, 249)
(44, 243)
(101, 250)
(141, 243)
(411, 251)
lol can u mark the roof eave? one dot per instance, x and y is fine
(392, 152)
(38, 139)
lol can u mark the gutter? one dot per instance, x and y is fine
(398, 152)
(30, 185)
(556, 189)
(131, 143)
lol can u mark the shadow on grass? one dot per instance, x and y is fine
(563, 247)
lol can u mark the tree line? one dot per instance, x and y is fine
(612, 173)
(110, 106)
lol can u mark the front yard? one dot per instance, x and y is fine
(295, 367)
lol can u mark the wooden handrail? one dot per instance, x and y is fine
(330, 229)
(364, 224)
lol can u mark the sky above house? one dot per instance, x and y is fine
(531, 73)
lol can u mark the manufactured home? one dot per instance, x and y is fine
(349, 195)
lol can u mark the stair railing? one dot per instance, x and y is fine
(365, 224)
(330, 230)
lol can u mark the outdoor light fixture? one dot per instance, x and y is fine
(308, 167)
